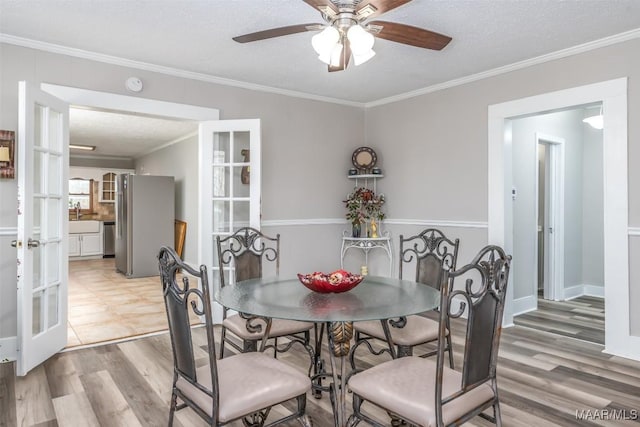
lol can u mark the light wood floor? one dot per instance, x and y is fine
(104, 305)
(543, 380)
(581, 318)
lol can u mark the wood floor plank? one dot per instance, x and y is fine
(8, 416)
(75, 410)
(543, 380)
(62, 376)
(108, 403)
(33, 399)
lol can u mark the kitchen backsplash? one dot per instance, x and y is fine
(102, 210)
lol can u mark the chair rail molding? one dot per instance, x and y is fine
(8, 231)
(634, 231)
(399, 221)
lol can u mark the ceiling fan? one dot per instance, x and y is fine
(348, 31)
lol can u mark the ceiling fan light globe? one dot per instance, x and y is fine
(325, 40)
(361, 58)
(360, 40)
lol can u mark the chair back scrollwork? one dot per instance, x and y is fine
(432, 251)
(244, 252)
(181, 297)
(482, 299)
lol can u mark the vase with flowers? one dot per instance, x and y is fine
(363, 206)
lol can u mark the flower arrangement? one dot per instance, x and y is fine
(364, 205)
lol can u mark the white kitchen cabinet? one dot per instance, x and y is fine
(85, 244)
(108, 187)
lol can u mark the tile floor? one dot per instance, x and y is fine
(104, 305)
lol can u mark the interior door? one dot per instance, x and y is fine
(43, 153)
(229, 153)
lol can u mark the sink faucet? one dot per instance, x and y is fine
(77, 208)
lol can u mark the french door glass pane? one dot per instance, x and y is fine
(38, 313)
(54, 173)
(38, 161)
(52, 252)
(38, 279)
(221, 147)
(239, 188)
(38, 213)
(240, 214)
(221, 181)
(53, 295)
(55, 131)
(241, 147)
(221, 216)
(53, 219)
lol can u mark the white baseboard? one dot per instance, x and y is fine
(8, 349)
(594, 290)
(525, 304)
(573, 292)
(582, 290)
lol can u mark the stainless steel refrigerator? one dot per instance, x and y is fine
(145, 207)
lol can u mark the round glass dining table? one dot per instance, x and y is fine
(375, 298)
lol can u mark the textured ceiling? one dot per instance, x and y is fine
(195, 35)
(123, 135)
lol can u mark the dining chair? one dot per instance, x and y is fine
(428, 252)
(425, 392)
(241, 255)
(241, 387)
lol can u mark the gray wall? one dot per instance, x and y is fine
(304, 143)
(178, 160)
(432, 148)
(567, 125)
(435, 154)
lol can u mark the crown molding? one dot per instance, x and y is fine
(585, 47)
(114, 60)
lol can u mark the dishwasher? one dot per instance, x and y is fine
(109, 239)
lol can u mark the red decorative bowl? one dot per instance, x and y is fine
(336, 282)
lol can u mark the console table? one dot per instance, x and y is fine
(366, 244)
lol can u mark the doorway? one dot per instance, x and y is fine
(106, 302)
(613, 95)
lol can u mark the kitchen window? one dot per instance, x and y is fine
(81, 191)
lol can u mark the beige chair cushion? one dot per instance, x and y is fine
(406, 386)
(247, 382)
(418, 330)
(279, 327)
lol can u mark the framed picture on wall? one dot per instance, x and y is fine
(7, 154)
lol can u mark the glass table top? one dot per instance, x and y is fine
(373, 299)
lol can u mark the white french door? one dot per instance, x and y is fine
(43, 156)
(230, 188)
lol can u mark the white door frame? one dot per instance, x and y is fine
(554, 247)
(133, 104)
(613, 95)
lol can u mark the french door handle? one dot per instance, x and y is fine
(31, 243)
(16, 243)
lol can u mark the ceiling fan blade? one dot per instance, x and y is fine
(371, 8)
(277, 32)
(324, 6)
(344, 58)
(406, 34)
